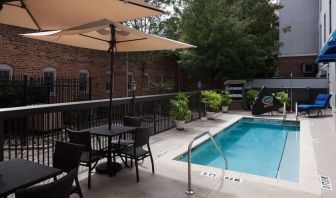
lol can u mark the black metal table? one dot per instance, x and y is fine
(106, 132)
(20, 173)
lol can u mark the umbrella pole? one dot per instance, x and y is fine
(111, 51)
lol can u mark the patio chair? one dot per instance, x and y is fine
(58, 189)
(321, 102)
(136, 151)
(90, 157)
(128, 121)
(66, 157)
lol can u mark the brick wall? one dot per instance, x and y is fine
(288, 65)
(30, 57)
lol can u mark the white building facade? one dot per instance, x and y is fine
(298, 20)
(327, 25)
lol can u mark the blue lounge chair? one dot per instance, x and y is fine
(321, 102)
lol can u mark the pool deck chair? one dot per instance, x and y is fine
(321, 102)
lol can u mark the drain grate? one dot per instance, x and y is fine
(325, 183)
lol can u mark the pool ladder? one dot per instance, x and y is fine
(190, 191)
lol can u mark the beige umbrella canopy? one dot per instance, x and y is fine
(108, 36)
(64, 14)
(97, 35)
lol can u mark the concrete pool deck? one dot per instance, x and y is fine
(170, 179)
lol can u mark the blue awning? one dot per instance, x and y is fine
(328, 52)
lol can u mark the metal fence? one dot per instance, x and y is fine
(24, 90)
(30, 132)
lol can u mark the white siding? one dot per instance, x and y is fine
(332, 66)
(302, 16)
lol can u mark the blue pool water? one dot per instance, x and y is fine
(264, 147)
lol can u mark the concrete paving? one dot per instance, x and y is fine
(170, 179)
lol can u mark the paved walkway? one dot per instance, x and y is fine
(169, 181)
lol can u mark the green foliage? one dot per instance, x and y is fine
(250, 96)
(282, 97)
(180, 108)
(212, 100)
(163, 87)
(226, 99)
(235, 39)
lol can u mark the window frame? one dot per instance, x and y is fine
(7, 68)
(129, 86)
(324, 28)
(54, 71)
(146, 88)
(106, 81)
(87, 73)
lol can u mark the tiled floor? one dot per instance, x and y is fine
(170, 180)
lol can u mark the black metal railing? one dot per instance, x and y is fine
(30, 132)
(23, 90)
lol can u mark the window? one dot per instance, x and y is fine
(49, 78)
(146, 81)
(321, 42)
(325, 29)
(83, 80)
(330, 17)
(108, 81)
(129, 80)
(161, 78)
(6, 72)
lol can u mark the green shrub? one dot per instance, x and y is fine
(250, 96)
(179, 108)
(212, 100)
(226, 99)
(282, 97)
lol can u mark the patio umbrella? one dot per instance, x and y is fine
(64, 14)
(109, 36)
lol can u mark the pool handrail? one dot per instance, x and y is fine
(190, 191)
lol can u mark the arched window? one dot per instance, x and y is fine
(84, 79)
(6, 71)
(49, 78)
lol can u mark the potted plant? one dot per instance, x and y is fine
(282, 97)
(226, 101)
(250, 97)
(179, 110)
(212, 101)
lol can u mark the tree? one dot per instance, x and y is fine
(167, 26)
(232, 41)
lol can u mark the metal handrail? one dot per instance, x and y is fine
(284, 116)
(190, 191)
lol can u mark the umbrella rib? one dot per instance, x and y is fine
(94, 38)
(131, 40)
(30, 14)
(151, 8)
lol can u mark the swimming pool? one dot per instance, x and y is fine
(264, 147)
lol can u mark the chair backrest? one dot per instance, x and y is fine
(60, 188)
(142, 136)
(132, 121)
(80, 137)
(322, 100)
(67, 156)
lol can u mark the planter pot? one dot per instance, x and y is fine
(211, 115)
(281, 109)
(225, 109)
(180, 124)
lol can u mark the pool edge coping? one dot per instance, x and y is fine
(309, 177)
